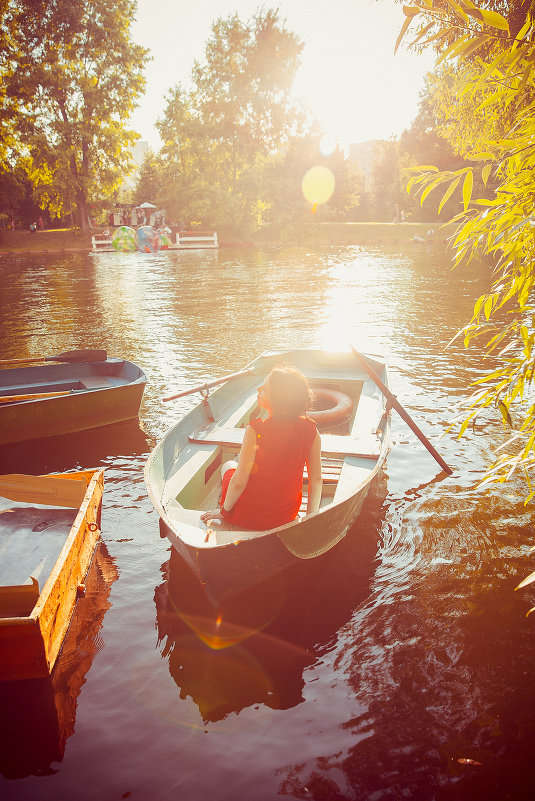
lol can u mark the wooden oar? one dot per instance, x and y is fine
(33, 396)
(68, 356)
(210, 384)
(49, 490)
(391, 398)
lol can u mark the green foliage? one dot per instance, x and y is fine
(149, 180)
(71, 78)
(486, 101)
(222, 136)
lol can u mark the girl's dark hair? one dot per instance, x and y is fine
(289, 392)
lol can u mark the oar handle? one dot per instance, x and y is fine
(33, 396)
(209, 384)
(391, 398)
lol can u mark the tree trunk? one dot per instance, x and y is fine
(83, 216)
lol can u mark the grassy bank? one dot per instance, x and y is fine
(68, 239)
(39, 241)
(361, 233)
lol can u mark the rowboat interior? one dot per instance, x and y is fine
(32, 538)
(63, 378)
(183, 473)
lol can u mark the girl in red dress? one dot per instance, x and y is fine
(263, 489)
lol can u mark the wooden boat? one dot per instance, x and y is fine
(40, 714)
(183, 478)
(62, 398)
(49, 528)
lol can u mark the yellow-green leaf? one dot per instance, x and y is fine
(485, 172)
(467, 188)
(430, 188)
(411, 11)
(406, 23)
(506, 417)
(528, 580)
(448, 193)
(458, 10)
(479, 156)
(491, 18)
(423, 32)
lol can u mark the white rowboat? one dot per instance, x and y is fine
(182, 474)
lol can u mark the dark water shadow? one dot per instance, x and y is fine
(76, 451)
(254, 648)
(38, 716)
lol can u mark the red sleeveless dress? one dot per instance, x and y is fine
(273, 493)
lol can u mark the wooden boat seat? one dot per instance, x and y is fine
(365, 447)
(95, 382)
(19, 599)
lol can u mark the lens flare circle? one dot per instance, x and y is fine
(318, 184)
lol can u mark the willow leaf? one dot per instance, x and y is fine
(449, 192)
(490, 18)
(528, 580)
(467, 188)
(430, 188)
(485, 172)
(457, 10)
(406, 22)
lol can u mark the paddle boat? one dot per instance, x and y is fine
(182, 474)
(49, 529)
(76, 391)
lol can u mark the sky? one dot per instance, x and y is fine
(349, 77)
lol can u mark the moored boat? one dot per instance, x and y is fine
(183, 478)
(49, 528)
(62, 398)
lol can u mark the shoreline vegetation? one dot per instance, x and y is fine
(358, 233)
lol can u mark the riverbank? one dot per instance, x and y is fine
(68, 240)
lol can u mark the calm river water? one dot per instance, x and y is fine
(399, 666)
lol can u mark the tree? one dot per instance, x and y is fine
(427, 142)
(71, 79)
(491, 90)
(219, 135)
(148, 185)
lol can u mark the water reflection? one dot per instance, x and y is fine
(254, 648)
(102, 446)
(38, 716)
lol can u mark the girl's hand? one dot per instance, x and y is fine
(213, 514)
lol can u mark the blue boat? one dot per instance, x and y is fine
(63, 398)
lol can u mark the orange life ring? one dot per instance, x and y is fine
(338, 409)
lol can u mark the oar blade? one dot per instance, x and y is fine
(86, 355)
(391, 398)
(48, 490)
(79, 356)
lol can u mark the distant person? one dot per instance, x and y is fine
(403, 217)
(41, 223)
(396, 218)
(263, 489)
(33, 228)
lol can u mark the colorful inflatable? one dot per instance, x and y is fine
(124, 238)
(165, 241)
(148, 239)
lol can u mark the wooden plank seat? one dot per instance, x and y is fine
(364, 447)
(330, 470)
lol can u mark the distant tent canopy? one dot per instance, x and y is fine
(147, 206)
